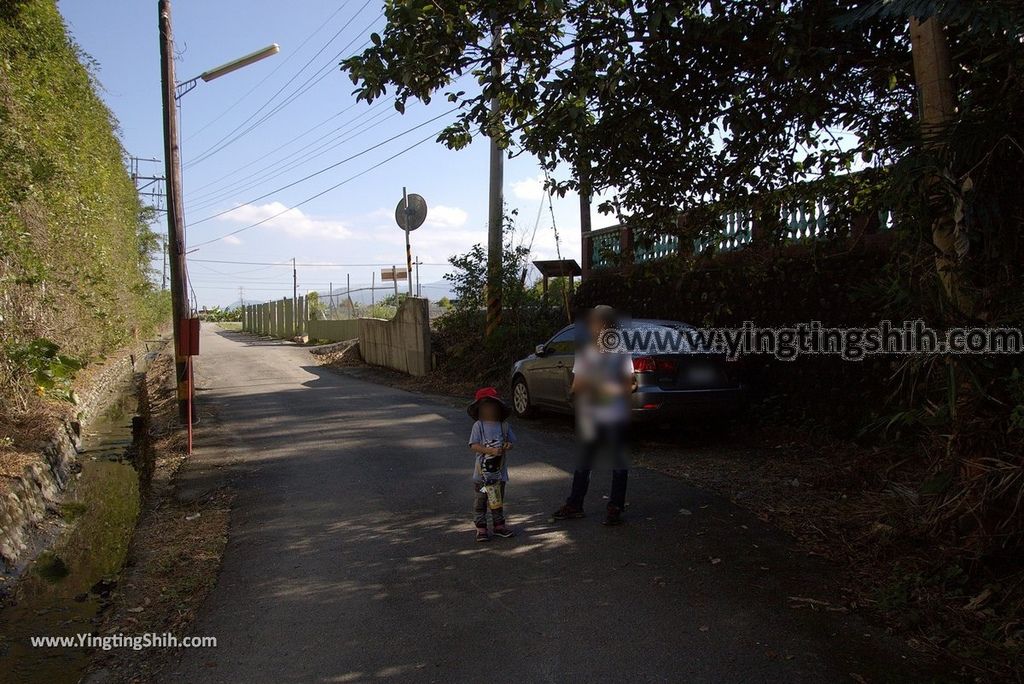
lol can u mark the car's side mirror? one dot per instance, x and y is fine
(541, 350)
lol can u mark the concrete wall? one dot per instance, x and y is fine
(402, 343)
(333, 331)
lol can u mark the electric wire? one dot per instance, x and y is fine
(318, 76)
(317, 195)
(280, 66)
(275, 172)
(332, 166)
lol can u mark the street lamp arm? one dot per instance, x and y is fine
(210, 74)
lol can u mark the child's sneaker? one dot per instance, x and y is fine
(481, 535)
(567, 512)
(503, 531)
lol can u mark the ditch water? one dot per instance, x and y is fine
(62, 592)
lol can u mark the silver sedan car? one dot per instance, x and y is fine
(669, 385)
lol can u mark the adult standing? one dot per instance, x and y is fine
(602, 382)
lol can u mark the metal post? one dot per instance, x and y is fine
(175, 206)
(418, 293)
(373, 286)
(496, 210)
(408, 248)
(394, 279)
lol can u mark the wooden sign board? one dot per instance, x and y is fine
(394, 274)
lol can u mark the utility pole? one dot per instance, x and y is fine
(418, 293)
(496, 209)
(150, 187)
(175, 206)
(932, 70)
(295, 292)
(584, 179)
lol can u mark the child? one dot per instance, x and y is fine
(490, 439)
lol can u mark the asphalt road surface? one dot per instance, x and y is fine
(351, 554)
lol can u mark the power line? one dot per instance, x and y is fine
(228, 139)
(332, 166)
(289, 263)
(280, 65)
(235, 135)
(276, 171)
(232, 176)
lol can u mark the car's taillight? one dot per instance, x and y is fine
(666, 366)
(644, 364)
(647, 364)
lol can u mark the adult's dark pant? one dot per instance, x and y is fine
(607, 441)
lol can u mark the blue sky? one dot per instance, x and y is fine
(319, 125)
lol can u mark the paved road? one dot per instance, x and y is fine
(351, 554)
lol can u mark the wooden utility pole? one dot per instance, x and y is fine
(496, 209)
(932, 70)
(175, 206)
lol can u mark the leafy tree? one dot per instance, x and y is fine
(469, 279)
(317, 307)
(666, 103)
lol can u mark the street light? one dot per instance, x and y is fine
(224, 69)
(171, 92)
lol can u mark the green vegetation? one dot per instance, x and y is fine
(74, 239)
(219, 315)
(464, 353)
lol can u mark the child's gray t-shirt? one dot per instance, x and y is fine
(488, 433)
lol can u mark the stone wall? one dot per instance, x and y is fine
(402, 343)
(40, 488)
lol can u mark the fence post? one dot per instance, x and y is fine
(289, 318)
(626, 244)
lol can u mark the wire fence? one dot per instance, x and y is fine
(382, 303)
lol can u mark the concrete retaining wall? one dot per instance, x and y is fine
(41, 485)
(402, 343)
(333, 331)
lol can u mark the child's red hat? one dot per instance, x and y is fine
(487, 394)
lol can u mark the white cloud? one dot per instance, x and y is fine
(529, 188)
(446, 217)
(232, 240)
(294, 222)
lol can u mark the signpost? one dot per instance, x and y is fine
(410, 214)
(394, 274)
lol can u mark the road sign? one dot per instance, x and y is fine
(415, 213)
(394, 273)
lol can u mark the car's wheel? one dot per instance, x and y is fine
(521, 398)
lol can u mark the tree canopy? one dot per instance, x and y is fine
(669, 104)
